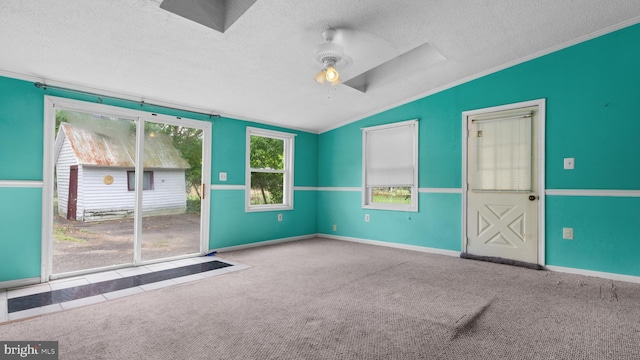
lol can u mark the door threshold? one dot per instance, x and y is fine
(499, 260)
(168, 260)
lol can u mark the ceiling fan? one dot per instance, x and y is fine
(329, 55)
(362, 46)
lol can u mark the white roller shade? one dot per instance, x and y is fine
(503, 154)
(390, 155)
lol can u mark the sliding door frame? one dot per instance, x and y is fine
(51, 104)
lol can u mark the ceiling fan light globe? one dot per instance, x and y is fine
(320, 77)
(332, 74)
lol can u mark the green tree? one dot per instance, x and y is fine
(267, 153)
(189, 142)
(61, 116)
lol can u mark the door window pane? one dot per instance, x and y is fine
(266, 188)
(503, 154)
(171, 212)
(391, 195)
(93, 209)
(267, 153)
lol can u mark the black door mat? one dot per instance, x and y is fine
(83, 291)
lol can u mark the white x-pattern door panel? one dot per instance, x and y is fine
(502, 226)
(502, 206)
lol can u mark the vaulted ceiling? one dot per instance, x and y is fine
(259, 64)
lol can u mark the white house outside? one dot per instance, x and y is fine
(94, 175)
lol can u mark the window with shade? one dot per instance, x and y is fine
(390, 166)
(501, 158)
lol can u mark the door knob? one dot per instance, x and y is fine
(532, 197)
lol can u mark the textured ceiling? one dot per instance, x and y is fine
(261, 68)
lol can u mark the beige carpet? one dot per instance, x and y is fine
(325, 299)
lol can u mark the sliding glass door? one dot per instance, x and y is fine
(127, 188)
(172, 190)
(92, 213)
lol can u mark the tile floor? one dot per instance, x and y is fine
(89, 289)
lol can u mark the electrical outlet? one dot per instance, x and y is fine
(222, 176)
(366, 217)
(279, 217)
(569, 163)
(335, 227)
(567, 233)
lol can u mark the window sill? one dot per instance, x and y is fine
(389, 207)
(262, 208)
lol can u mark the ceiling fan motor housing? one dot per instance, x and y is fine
(329, 51)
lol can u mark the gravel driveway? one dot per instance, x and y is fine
(84, 245)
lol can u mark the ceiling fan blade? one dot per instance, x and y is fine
(216, 14)
(364, 50)
(209, 14)
(401, 66)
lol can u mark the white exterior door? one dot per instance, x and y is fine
(502, 193)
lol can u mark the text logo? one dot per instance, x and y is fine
(40, 350)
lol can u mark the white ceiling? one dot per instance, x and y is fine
(261, 68)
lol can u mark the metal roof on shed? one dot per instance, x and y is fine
(95, 149)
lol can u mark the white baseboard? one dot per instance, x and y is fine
(393, 245)
(604, 275)
(600, 274)
(264, 243)
(18, 283)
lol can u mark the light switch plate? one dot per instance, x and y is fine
(569, 163)
(223, 176)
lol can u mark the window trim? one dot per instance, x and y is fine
(131, 187)
(367, 202)
(287, 191)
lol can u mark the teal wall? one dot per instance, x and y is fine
(592, 92)
(21, 159)
(231, 225)
(229, 142)
(438, 224)
(21, 130)
(605, 233)
(440, 152)
(21, 217)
